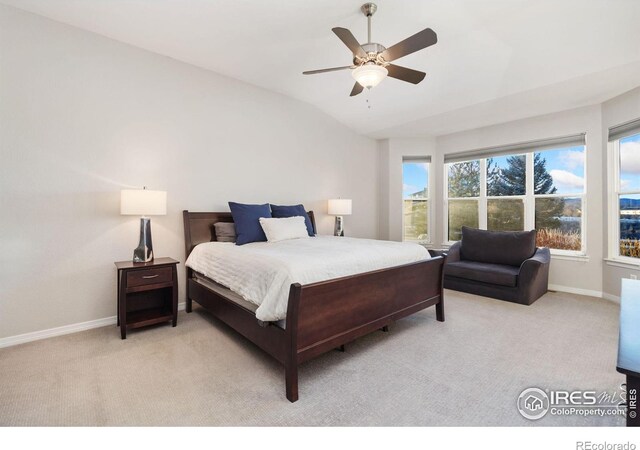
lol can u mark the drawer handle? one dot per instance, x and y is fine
(146, 277)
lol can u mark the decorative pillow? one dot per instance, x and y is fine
(280, 229)
(293, 211)
(511, 248)
(246, 220)
(225, 231)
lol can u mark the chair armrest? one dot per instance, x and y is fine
(530, 267)
(542, 256)
(533, 279)
(453, 254)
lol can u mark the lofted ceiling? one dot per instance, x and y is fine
(496, 60)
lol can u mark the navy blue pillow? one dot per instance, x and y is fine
(247, 221)
(292, 211)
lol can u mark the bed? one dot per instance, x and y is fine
(318, 316)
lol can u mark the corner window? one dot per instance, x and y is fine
(415, 199)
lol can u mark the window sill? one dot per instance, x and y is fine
(565, 257)
(622, 263)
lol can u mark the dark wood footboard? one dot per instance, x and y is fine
(321, 316)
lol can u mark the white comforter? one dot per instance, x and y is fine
(262, 272)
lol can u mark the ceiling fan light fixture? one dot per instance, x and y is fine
(372, 61)
(369, 75)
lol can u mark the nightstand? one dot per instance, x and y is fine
(147, 293)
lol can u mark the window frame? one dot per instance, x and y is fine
(424, 159)
(613, 207)
(529, 198)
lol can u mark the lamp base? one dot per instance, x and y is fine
(338, 229)
(144, 251)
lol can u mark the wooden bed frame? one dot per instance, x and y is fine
(320, 316)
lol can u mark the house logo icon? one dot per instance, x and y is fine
(533, 403)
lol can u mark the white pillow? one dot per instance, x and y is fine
(280, 229)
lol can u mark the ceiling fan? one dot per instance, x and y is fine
(372, 61)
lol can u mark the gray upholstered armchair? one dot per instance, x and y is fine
(503, 265)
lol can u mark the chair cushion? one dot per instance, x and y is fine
(497, 247)
(503, 275)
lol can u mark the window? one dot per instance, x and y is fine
(506, 186)
(415, 199)
(558, 216)
(624, 203)
(521, 187)
(463, 193)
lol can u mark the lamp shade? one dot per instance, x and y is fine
(339, 207)
(143, 202)
(369, 75)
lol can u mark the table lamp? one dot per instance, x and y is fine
(339, 207)
(143, 202)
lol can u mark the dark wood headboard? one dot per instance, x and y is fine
(198, 227)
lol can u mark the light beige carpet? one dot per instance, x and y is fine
(468, 370)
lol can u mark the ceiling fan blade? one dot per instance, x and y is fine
(357, 88)
(404, 74)
(418, 41)
(333, 69)
(350, 41)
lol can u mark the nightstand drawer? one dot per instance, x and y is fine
(149, 276)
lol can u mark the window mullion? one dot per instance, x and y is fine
(530, 201)
(445, 216)
(614, 200)
(482, 201)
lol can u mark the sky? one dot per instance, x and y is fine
(415, 177)
(566, 167)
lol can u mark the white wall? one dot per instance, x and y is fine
(578, 275)
(383, 189)
(83, 116)
(616, 111)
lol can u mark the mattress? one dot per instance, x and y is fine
(261, 273)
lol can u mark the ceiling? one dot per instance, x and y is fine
(496, 60)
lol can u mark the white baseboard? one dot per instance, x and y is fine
(611, 297)
(59, 331)
(572, 290)
(588, 292)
